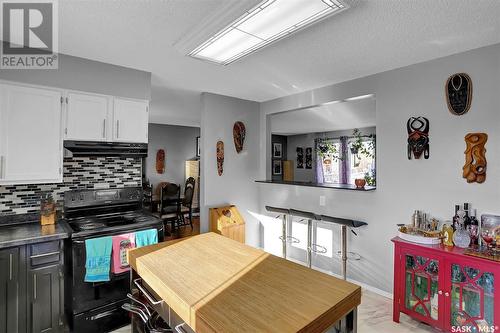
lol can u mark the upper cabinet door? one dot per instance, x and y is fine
(87, 117)
(30, 135)
(130, 121)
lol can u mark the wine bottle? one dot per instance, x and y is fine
(466, 217)
(455, 218)
(474, 228)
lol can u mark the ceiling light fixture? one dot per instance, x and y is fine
(266, 23)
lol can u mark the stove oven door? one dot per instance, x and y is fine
(87, 295)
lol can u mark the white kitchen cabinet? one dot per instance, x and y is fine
(30, 135)
(87, 117)
(130, 120)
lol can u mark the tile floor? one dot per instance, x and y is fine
(374, 316)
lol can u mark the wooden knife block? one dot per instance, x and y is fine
(227, 221)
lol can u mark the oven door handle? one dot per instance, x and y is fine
(146, 293)
(102, 315)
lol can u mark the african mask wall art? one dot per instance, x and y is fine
(458, 91)
(239, 133)
(220, 157)
(160, 161)
(418, 137)
(474, 169)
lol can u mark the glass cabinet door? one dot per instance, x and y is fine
(472, 298)
(421, 287)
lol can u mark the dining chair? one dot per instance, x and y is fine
(187, 201)
(170, 204)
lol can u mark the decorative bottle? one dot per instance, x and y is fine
(455, 217)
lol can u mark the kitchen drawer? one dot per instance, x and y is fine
(45, 253)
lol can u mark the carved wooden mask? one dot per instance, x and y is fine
(220, 157)
(239, 133)
(458, 91)
(474, 169)
(160, 161)
(418, 137)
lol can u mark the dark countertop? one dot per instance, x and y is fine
(26, 229)
(311, 184)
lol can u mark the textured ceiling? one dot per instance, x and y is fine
(371, 37)
(326, 118)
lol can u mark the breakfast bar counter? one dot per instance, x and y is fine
(215, 284)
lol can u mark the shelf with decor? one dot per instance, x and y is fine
(445, 288)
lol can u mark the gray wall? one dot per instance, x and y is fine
(236, 185)
(86, 75)
(307, 140)
(179, 143)
(432, 185)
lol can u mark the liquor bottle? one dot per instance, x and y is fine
(455, 218)
(466, 217)
(474, 227)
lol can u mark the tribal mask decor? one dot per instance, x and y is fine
(220, 157)
(474, 169)
(458, 91)
(160, 161)
(418, 137)
(239, 133)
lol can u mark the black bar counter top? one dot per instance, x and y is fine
(321, 185)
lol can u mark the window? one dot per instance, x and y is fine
(331, 167)
(360, 164)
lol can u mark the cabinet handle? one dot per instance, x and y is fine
(104, 128)
(48, 254)
(447, 294)
(34, 286)
(10, 266)
(440, 292)
(117, 129)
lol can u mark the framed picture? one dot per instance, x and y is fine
(277, 150)
(309, 158)
(198, 152)
(300, 157)
(276, 167)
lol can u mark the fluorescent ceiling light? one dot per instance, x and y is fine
(269, 21)
(357, 98)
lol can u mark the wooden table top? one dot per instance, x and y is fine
(216, 284)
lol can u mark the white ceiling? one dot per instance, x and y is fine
(371, 37)
(326, 118)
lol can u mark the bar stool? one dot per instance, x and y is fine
(310, 246)
(285, 238)
(344, 224)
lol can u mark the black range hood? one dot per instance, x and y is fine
(90, 148)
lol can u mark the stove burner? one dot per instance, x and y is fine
(90, 225)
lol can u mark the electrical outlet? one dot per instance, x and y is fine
(322, 200)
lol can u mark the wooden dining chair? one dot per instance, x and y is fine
(187, 201)
(170, 204)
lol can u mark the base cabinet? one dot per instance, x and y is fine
(45, 294)
(31, 289)
(445, 288)
(12, 291)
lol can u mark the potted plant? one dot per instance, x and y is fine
(357, 147)
(326, 148)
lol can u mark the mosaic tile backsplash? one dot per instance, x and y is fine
(79, 173)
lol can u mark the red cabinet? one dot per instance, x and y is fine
(445, 288)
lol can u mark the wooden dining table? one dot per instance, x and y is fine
(215, 284)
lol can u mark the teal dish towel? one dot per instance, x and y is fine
(98, 262)
(146, 237)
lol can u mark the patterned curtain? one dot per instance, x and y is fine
(319, 164)
(344, 163)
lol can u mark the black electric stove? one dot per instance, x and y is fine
(96, 307)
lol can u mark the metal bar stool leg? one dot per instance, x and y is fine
(343, 235)
(309, 243)
(284, 234)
